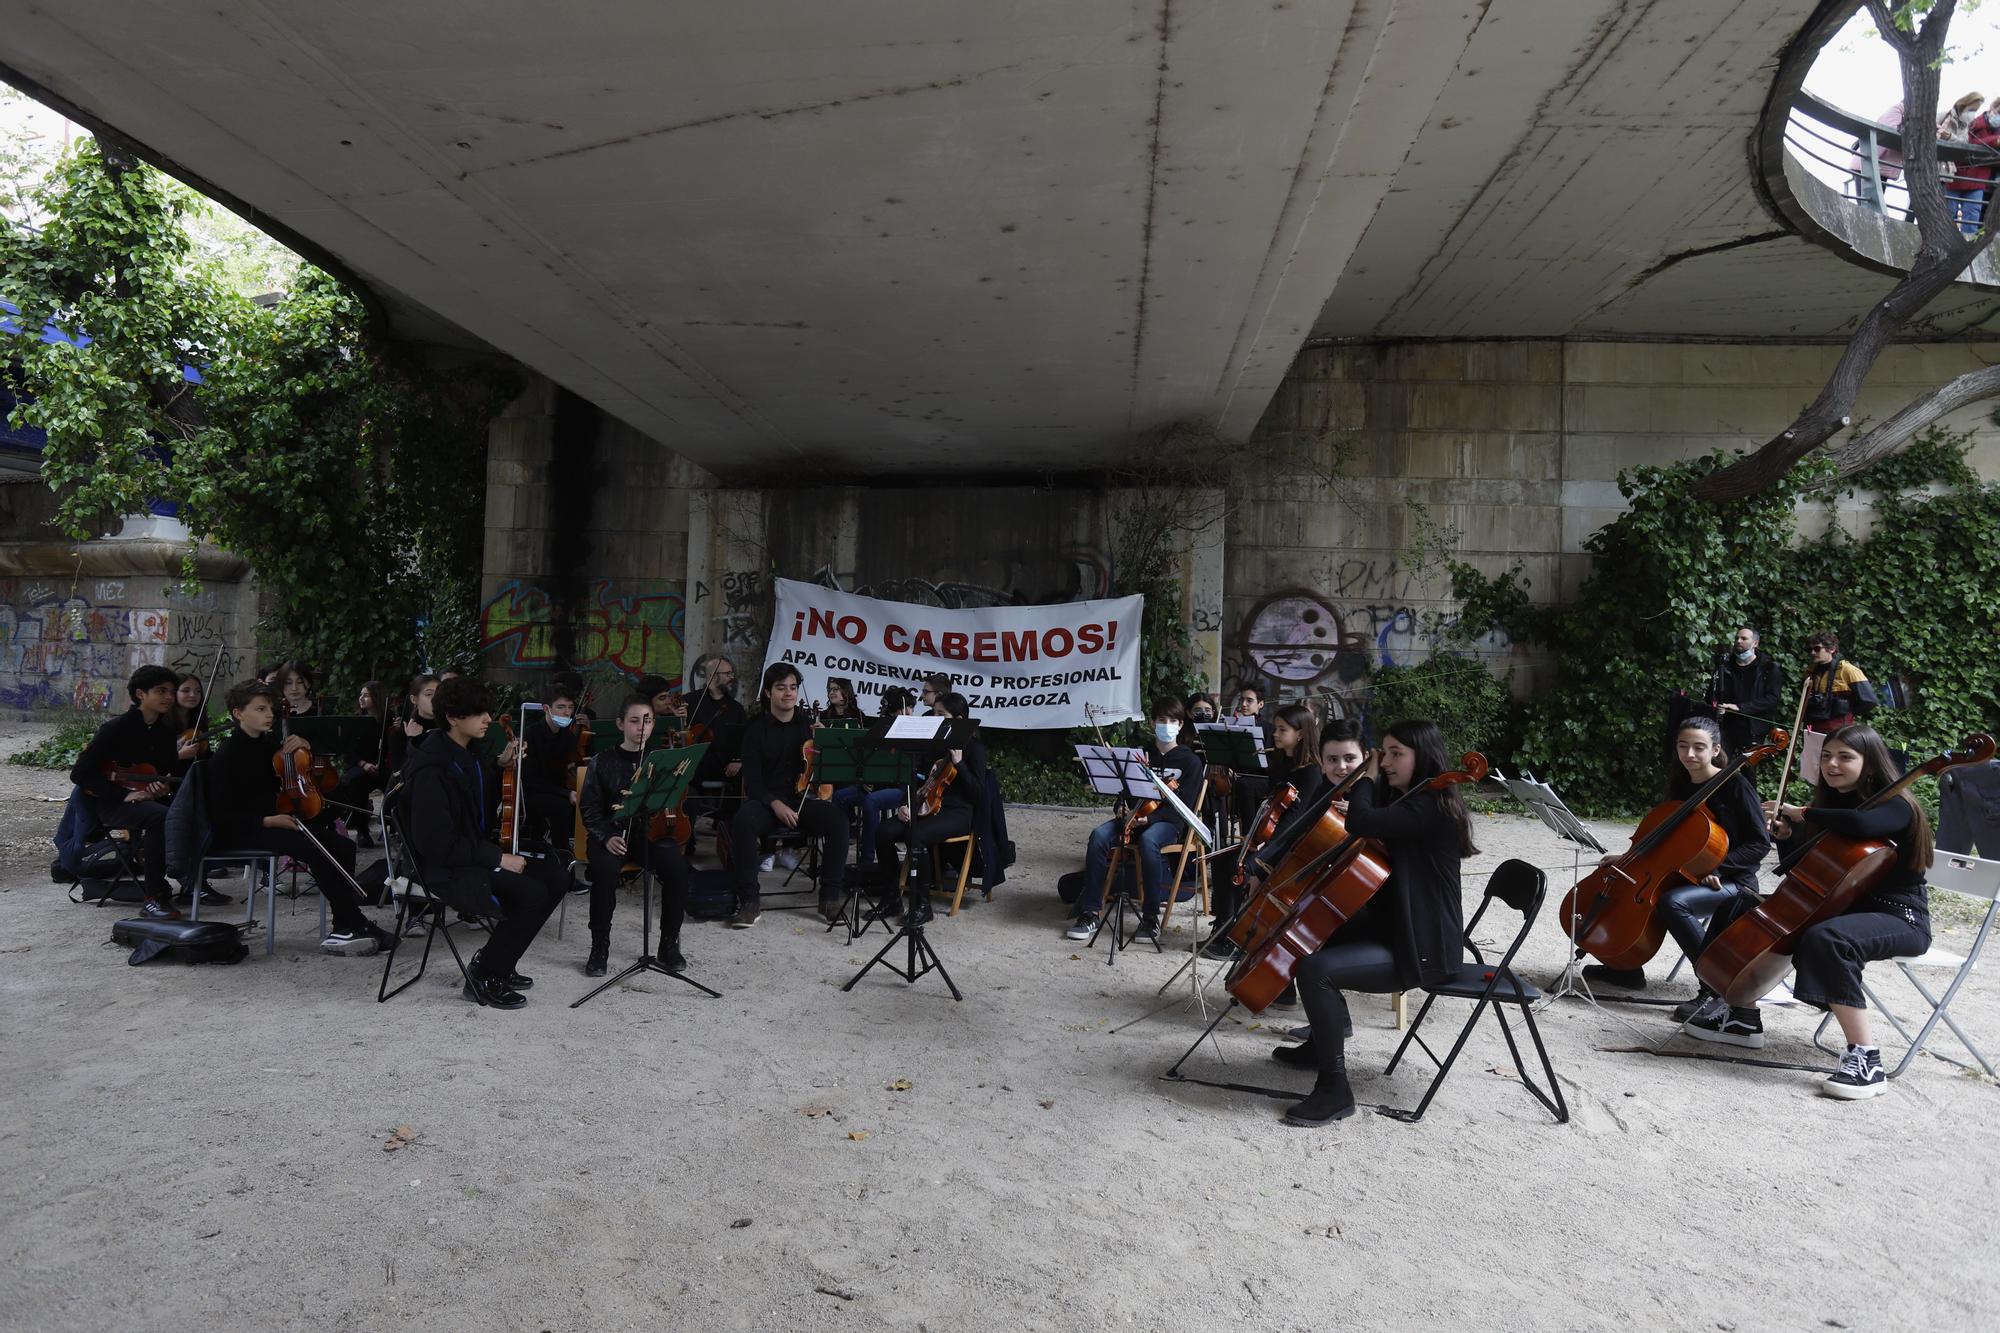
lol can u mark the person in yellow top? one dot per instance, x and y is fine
(1838, 693)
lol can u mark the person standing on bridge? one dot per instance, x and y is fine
(1964, 186)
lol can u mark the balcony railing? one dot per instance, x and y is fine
(1863, 159)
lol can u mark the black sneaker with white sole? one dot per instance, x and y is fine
(351, 943)
(1860, 1075)
(1083, 928)
(1731, 1027)
(1689, 1008)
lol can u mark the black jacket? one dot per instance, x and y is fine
(1178, 762)
(968, 788)
(604, 785)
(123, 742)
(1758, 689)
(1419, 912)
(774, 757)
(1740, 812)
(545, 766)
(242, 786)
(1311, 784)
(725, 727)
(444, 797)
(1903, 885)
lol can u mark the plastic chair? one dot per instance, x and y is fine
(1521, 887)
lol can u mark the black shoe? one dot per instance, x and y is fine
(515, 981)
(1302, 1056)
(158, 909)
(1287, 998)
(1625, 978)
(492, 994)
(1220, 946)
(829, 910)
(599, 961)
(1149, 930)
(923, 910)
(210, 898)
(363, 838)
(672, 959)
(1687, 1009)
(1331, 1099)
(385, 940)
(1729, 1026)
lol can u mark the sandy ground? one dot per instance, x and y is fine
(202, 1148)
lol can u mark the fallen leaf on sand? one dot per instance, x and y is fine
(815, 1110)
(1049, 1105)
(1503, 1073)
(1076, 958)
(739, 1224)
(900, 1085)
(403, 1137)
(857, 1134)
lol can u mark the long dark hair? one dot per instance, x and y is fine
(1879, 770)
(378, 694)
(1302, 722)
(1423, 737)
(850, 704)
(1679, 785)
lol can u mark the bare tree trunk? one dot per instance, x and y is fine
(1942, 254)
(1903, 427)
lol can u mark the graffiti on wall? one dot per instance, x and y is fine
(634, 633)
(68, 651)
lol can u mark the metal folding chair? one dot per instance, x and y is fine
(1521, 887)
(414, 903)
(1975, 878)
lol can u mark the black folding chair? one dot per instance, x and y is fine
(414, 904)
(1521, 887)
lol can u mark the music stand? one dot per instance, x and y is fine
(659, 785)
(1560, 820)
(1234, 743)
(1122, 772)
(918, 739)
(846, 756)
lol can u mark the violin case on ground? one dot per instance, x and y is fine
(179, 941)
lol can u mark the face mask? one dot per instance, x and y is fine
(560, 721)
(1166, 733)
(1745, 656)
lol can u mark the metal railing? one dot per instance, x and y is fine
(1863, 158)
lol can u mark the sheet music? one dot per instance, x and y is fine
(915, 728)
(1810, 746)
(1173, 802)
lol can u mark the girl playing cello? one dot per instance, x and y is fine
(1734, 806)
(1413, 930)
(1891, 920)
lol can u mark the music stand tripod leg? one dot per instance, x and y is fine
(646, 962)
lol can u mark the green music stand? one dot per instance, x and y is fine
(354, 738)
(660, 784)
(845, 756)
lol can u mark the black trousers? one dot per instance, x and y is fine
(525, 900)
(922, 833)
(148, 822)
(334, 876)
(670, 871)
(1828, 957)
(1354, 959)
(818, 819)
(548, 816)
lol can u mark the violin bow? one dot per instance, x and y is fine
(1798, 721)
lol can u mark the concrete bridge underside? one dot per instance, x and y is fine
(910, 237)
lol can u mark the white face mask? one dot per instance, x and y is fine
(1746, 656)
(1167, 734)
(557, 721)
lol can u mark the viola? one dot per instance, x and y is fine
(930, 796)
(1823, 877)
(509, 790)
(1609, 914)
(671, 825)
(1264, 828)
(1343, 880)
(138, 777)
(299, 793)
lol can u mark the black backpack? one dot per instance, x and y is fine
(179, 941)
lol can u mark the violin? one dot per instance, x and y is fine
(1823, 877)
(671, 824)
(1609, 914)
(138, 777)
(1142, 812)
(509, 790)
(823, 790)
(930, 796)
(1343, 880)
(299, 793)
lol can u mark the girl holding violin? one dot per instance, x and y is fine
(243, 808)
(1294, 762)
(959, 788)
(1684, 908)
(1412, 932)
(612, 843)
(1891, 920)
(364, 777)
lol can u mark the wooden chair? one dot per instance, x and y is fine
(1186, 847)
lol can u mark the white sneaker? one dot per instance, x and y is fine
(786, 859)
(765, 864)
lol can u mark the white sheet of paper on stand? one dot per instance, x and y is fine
(1173, 802)
(915, 728)
(1810, 746)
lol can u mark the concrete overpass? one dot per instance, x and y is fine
(900, 237)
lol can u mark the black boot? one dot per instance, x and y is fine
(1626, 978)
(671, 957)
(1331, 1099)
(600, 956)
(1302, 1056)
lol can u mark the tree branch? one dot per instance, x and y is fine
(1911, 419)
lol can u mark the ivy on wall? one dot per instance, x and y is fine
(350, 475)
(1917, 597)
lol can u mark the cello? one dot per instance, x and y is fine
(1823, 877)
(1345, 878)
(1264, 909)
(1609, 914)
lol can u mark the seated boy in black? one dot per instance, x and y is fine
(142, 734)
(243, 809)
(773, 761)
(451, 823)
(962, 799)
(549, 810)
(612, 843)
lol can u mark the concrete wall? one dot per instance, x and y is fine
(1512, 449)
(586, 544)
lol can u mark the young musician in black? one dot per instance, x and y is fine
(773, 762)
(1412, 932)
(962, 800)
(715, 710)
(295, 685)
(1295, 763)
(1892, 920)
(613, 843)
(416, 719)
(548, 798)
(936, 685)
(1685, 909)
(243, 809)
(143, 734)
(1170, 759)
(876, 802)
(451, 830)
(841, 703)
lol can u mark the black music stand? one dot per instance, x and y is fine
(1118, 771)
(660, 784)
(847, 755)
(940, 734)
(1234, 745)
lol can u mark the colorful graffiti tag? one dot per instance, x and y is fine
(635, 633)
(64, 652)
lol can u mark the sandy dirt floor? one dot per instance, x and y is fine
(203, 1148)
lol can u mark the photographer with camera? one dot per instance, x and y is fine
(1838, 694)
(1746, 689)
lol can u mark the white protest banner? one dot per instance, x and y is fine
(1017, 666)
